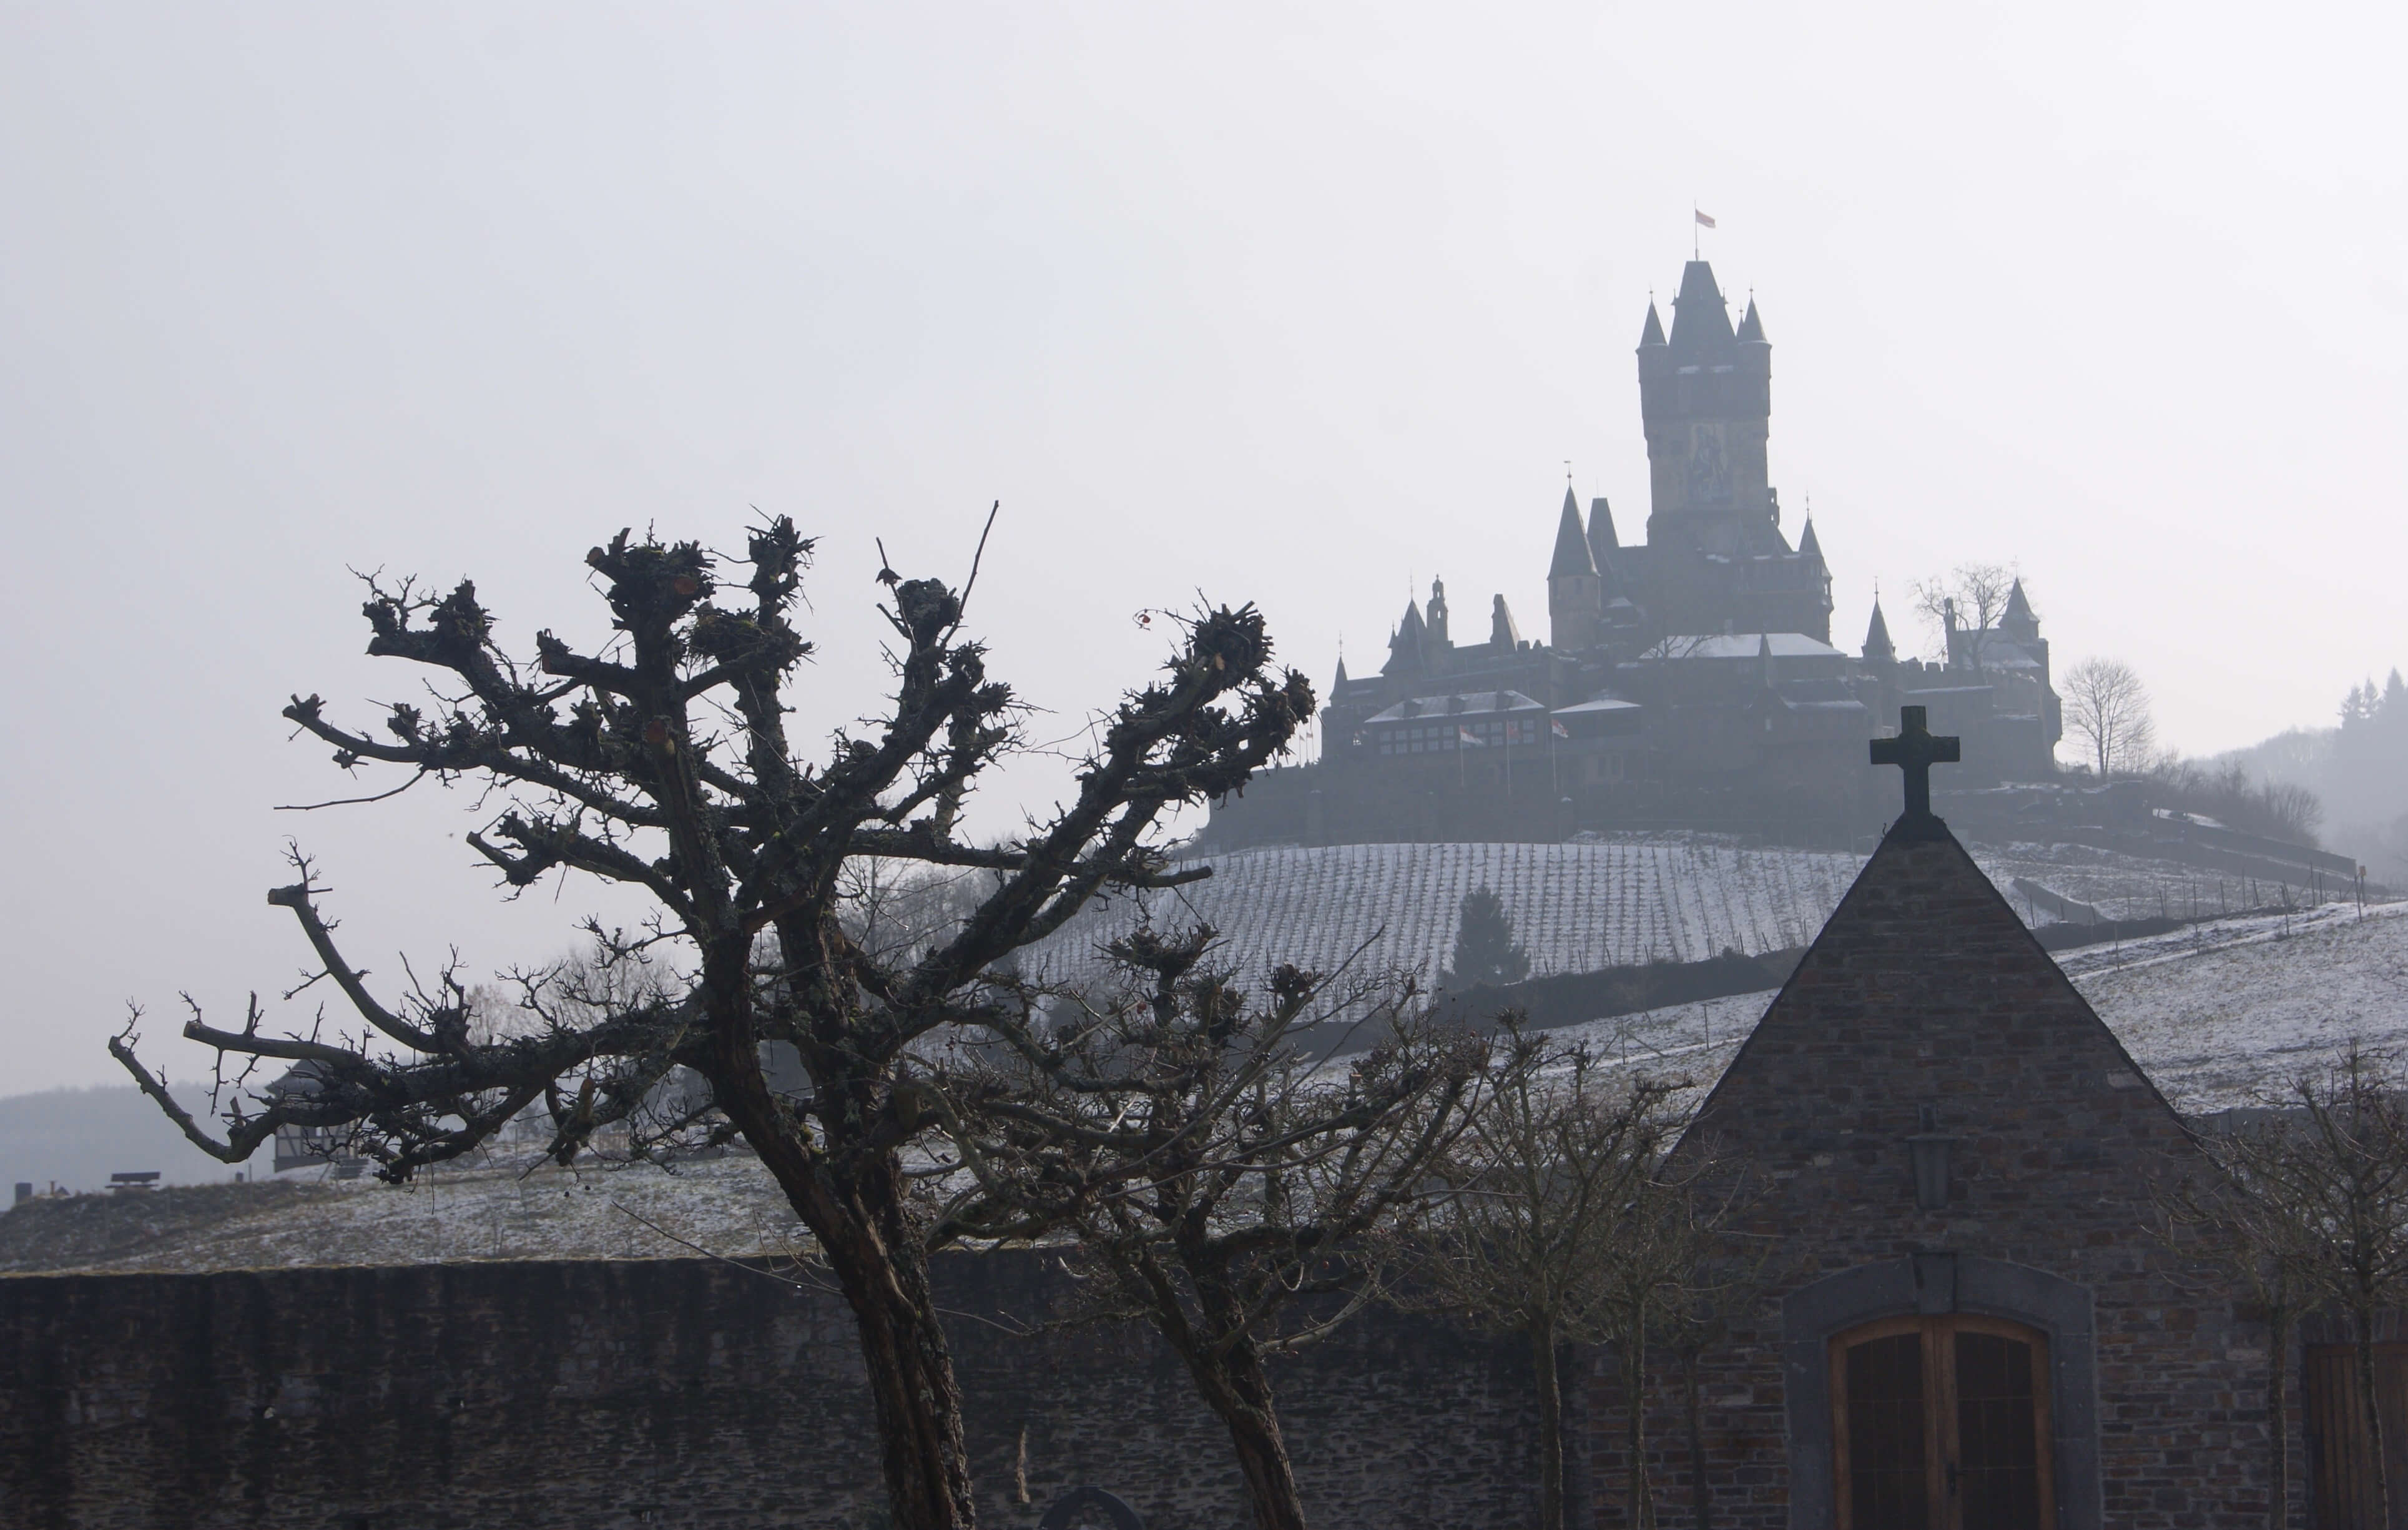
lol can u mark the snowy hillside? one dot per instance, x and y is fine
(1577, 906)
(2216, 1015)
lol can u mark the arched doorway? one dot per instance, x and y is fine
(1942, 1424)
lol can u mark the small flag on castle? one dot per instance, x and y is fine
(1555, 725)
(1469, 739)
(1704, 219)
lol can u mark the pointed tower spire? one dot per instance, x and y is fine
(1406, 645)
(1809, 545)
(1751, 329)
(1654, 332)
(1503, 635)
(1339, 683)
(1602, 538)
(2017, 621)
(1878, 649)
(1572, 556)
(1700, 318)
(1764, 659)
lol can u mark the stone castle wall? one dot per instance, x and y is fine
(677, 1392)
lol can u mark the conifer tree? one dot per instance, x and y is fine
(1484, 951)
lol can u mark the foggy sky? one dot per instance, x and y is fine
(1294, 304)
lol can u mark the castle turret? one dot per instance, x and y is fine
(1438, 641)
(1575, 598)
(1878, 649)
(1405, 644)
(2017, 621)
(1503, 635)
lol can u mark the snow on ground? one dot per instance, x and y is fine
(1576, 907)
(2218, 1015)
(2218, 1021)
(727, 1206)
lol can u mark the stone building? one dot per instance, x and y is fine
(1686, 679)
(1966, 1320)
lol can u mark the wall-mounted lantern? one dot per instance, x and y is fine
(1930, 1148)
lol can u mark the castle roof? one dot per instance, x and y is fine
(1477, 703)
(1700, 318)
(1751, 329)
(1654, 332)
(1877, 644)
(1809, 546)
(1743, 645)
(1602, 538)
(1572, 556)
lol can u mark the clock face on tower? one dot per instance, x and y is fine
(1709, 468)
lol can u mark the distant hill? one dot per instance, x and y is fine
(80, 1138)
(2359, 772)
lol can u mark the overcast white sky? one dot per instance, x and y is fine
(1292, 304)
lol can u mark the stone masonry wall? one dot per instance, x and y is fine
(675, 1393)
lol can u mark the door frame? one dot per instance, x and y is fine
(1940, 1444)
(1930, 1285)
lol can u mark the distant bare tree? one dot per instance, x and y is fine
(2107, 708)
(1553, 1192)
(661, 762)
(1211, 1173)
(1972, 595)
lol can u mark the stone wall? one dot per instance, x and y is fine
(676, 1393)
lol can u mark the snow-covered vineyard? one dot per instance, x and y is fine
(1581, 906)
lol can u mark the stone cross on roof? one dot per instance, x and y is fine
(1914, 751)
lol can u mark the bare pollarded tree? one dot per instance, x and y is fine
(2107, 708)
(2318, 1200)
(1212, 1176)
(1555, 1191)
(661, 762)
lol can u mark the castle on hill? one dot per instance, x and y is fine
(1685, 681)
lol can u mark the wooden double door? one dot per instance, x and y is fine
(1942, 1424)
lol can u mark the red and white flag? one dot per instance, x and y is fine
(1555, 725)
(1468, 739)
(1704, 221)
